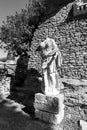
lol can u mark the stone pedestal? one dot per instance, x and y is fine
(49, 108)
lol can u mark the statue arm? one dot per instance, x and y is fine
(45, 63)
(58, 58)
(48, 62)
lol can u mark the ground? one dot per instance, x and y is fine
(12, 117)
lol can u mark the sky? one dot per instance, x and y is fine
(8, 7)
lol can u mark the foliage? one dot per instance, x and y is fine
(18, 30)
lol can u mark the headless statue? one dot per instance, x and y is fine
(51, 60)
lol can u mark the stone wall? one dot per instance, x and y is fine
(70, 36)
(71, 39)
(75, 104)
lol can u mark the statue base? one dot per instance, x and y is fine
(49, 108)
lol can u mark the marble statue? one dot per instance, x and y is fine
(51, 60)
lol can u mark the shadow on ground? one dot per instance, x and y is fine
(12, 117)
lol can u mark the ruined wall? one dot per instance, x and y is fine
(71, 39)
(75, 105)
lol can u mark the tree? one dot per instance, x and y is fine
(18, 30)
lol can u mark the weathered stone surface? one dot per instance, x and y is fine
(71, 40)
(49, 108)
(57, 118)
(83, 125)
(49, 117)
(51, 104)
(38, 114)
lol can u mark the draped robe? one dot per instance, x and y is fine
(50, 63)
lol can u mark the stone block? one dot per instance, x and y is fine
(47, 103)
(38, 114)
(49, 117)
(56, 118)
(54, 108)
(40, 98)
(46, 116)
